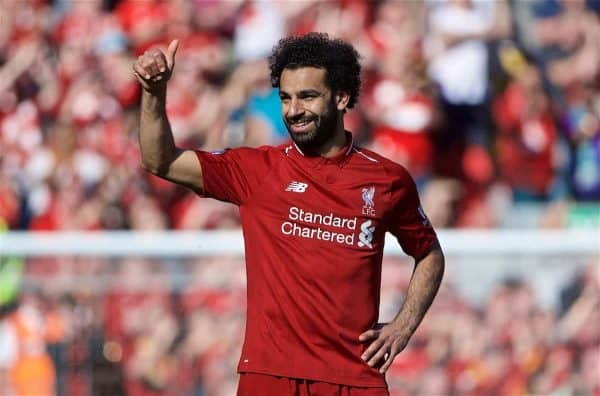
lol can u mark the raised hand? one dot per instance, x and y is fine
(154, 68)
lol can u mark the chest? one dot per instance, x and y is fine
(325, 204)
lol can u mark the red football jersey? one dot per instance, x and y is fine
(314, 232)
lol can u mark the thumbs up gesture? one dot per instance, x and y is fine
(154, 68)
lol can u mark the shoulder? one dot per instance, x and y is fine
(248, 159)
(264, 152)
(392, 170)
(269, 150)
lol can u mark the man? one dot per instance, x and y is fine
(314, 215)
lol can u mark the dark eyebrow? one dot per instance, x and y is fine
(303, 93)
(309, 92)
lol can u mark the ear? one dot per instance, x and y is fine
(341, 100)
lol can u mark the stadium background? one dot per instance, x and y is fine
(494, 107)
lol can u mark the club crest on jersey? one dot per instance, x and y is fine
(368, 208)
(297, 187)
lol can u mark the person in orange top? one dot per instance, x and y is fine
(32, 371)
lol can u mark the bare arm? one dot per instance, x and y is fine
(422, 288)
(390, 339)
(160, 156)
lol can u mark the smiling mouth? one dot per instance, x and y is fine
(302, 125)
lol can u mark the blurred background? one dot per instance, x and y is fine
(492, 105)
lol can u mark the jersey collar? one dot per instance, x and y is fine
(338, 159)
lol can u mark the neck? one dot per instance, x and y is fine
(333, 146)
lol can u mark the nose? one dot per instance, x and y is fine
(294, 108)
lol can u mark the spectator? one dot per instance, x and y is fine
(527, 137)
(480, 146)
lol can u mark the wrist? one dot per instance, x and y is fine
(404, 325)
(155, 93)
(154, 102)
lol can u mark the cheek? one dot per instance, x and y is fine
(326, 110)
(319, 109)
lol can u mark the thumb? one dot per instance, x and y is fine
(171, 53)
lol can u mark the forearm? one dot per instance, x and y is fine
(422, 289)
(15, 66)
(156, 139)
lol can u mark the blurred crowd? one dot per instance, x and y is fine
(488, 103)
(506, 345)
(147, 328)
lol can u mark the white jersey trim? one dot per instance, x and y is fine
(298, 148)
(350, 147)
(364, 155)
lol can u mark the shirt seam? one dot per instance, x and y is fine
(389, 201)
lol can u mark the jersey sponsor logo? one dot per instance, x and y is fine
(307, 225)
(365, 238)
(329, 219)
(368, 208)
(297, 187)
(342, 230)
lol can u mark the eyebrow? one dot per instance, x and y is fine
(304, 92)
(310, 92)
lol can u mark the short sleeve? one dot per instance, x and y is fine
(408, 222)
(232, 175)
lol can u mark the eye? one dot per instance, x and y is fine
(308, 97)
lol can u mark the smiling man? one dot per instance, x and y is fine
(314, 216)
(309, 107)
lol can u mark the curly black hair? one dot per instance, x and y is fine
(337, 57)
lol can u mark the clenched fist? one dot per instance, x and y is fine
(153, 69)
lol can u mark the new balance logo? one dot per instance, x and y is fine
(297, 187)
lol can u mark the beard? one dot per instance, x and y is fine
(325, 126)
